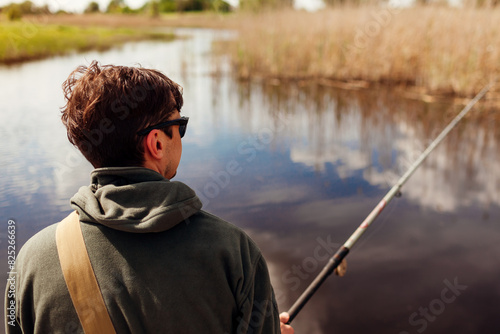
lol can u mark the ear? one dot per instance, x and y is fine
(154, 145)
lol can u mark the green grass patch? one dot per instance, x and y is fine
(20, 41)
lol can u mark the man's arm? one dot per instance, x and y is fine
(259, 312)
(11, 320)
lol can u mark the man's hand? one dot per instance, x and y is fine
(285, 329)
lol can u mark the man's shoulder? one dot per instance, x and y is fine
(224, 233)
(208, 221)
(209, 218)
(40, 247)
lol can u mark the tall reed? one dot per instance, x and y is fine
(439, 49)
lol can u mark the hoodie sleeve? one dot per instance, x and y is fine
(259, 311)
(11, 320)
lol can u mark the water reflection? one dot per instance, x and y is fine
(298, 167)
(345, 152)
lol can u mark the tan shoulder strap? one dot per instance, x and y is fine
(80, 277)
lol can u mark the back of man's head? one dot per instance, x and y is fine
(107, 105)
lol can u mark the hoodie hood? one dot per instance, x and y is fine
(134, 199)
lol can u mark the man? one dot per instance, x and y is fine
(162, 265)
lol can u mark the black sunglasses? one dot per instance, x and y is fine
(182, 122)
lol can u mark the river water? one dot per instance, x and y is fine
(298, 167)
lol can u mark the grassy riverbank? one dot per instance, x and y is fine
(435, 50)
(30, 39)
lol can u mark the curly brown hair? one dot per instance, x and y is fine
(107, 105)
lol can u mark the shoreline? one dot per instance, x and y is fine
(491, 101)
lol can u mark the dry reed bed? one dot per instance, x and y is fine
(438, 50)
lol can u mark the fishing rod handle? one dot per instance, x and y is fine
(327, 270)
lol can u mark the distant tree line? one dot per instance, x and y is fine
(155, 7)
(15, 11)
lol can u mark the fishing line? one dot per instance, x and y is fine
(379, 226)
(342, 252)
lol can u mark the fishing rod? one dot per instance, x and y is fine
(342, 252)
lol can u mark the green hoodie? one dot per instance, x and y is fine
(162, 264)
